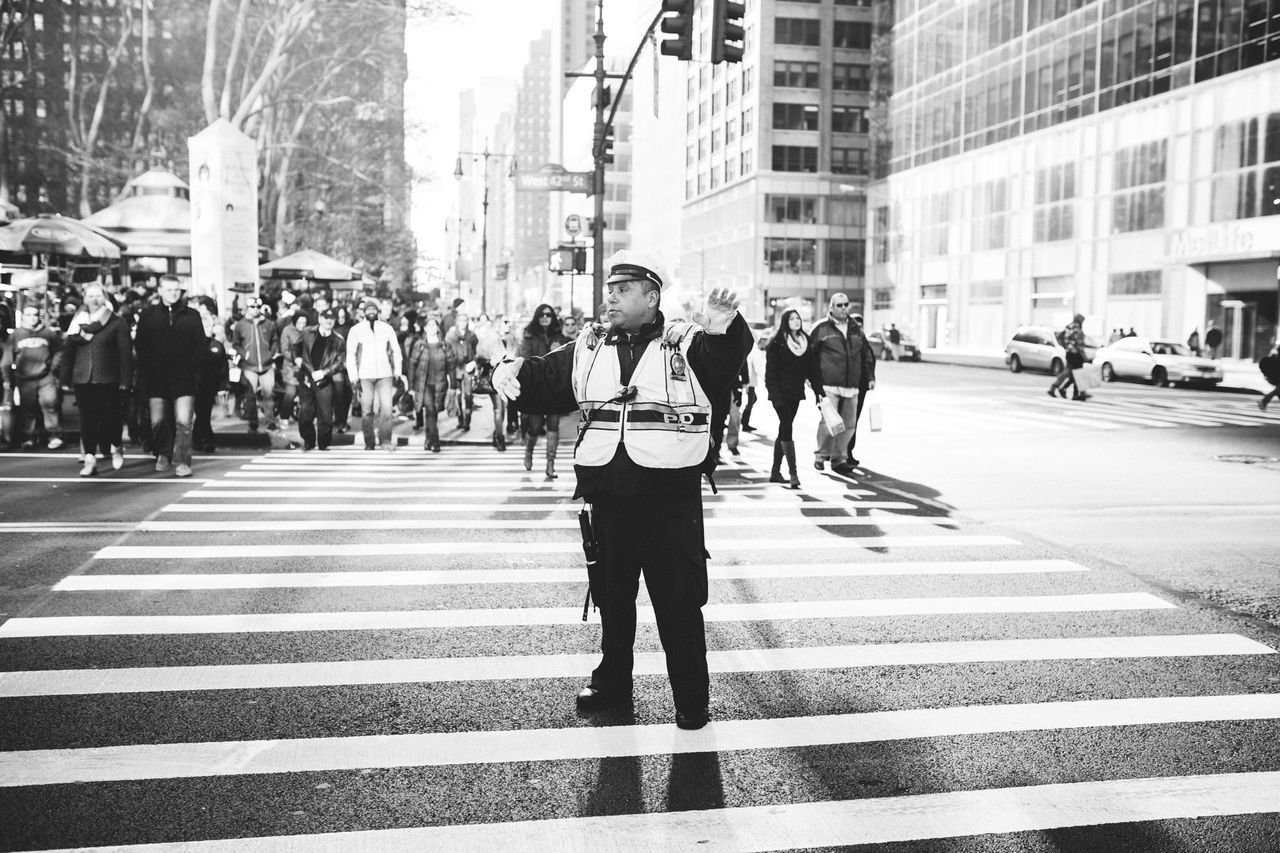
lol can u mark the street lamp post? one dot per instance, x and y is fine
(484, 208)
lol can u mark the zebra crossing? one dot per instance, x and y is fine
(913, 411)
(379, 651)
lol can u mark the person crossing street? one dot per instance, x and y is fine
(643, 387)
(98, 363)
(842, 369)
(170, 347)
(374, 361)
(319, 356)
(256, 342)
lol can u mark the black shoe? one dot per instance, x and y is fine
(844, 469)
(324, 447)
(693, 720)
(370, 447)
(734, 451)
(592, 699)
(746, 428)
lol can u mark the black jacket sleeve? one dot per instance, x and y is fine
(716, 359)
(546, 383)
(124, 352)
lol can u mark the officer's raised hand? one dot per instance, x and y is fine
(719, 311)
(504, 378)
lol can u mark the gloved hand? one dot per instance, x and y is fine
(719, 311)
(504, 378)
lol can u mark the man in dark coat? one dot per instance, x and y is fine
(320, 354)
(843, 370)
(170, 344)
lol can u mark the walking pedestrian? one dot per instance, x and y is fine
(98, 363)
(1270, 367)
(429, 368)
(755, 369)
(170, 346)
(256, 342)
(36, 359)
(842, 368)
(643, 387)
(373, 363)
(342, 390)
(541, 336)
(214, 374)
(895, 342)
(461, 341)
(290, 335)
(786, 368)
(319, 357)
(1212, 339)
(1073, 343)
(1193, 341)
(491, 350)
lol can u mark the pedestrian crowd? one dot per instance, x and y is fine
(149, 367)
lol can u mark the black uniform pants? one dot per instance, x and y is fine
(315, 409)
(661, 538)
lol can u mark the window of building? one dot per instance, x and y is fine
(986, 292)
(731, 91)
(702, 112)
(792, 255)
(715, 102)
(689, 158)
(849, 120)
(748, 79)
(730, 130)
(791, 208)
(715, 139)
(715, 176)
(795, 75)
(730, 167)
(935, 225)
(1055, 203)
(1246, 178)
(1138, 180)
(849, 161)
(795, 116)
(702, 147)
(846, 258)
(883, 239)
(1141, 283)
(990, 215)
(845, 211)
(746, 161)
(747, 125)
(865, 4)
(882, 299)
(795, 158)
(692, 121)
(850, 77)
(853, 34)
(42, 109)
(806, 31)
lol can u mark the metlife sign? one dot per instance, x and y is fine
(554, 178)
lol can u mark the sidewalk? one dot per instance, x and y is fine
(1238, 375)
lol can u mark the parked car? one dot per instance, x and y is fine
(1159, 362)
(910, 351)
(1037, 348)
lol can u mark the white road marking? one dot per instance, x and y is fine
(425, 577)
(396, 620)
(109, 478)
(834, 823)
(405, 549)
(68, 527)
(503, 475)
(81, 682)
(341, 523)
(301, 755)
(281, 506)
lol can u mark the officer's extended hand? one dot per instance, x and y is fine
(719, 311)
(504, 378)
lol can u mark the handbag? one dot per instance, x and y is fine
(875, 415)
(483, 378)
(1087, 377)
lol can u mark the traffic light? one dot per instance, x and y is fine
(679, 25)
(606, 147)
(727, 34)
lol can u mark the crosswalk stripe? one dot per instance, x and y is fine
(922, 418)
(234, 623)
(81, 682)
(424, 577)
(406, 549)
(363, 489)
(1071, 410)
(299, 524)
(300, 755)
(789, 826)
(282, 506)
(1216, 417)
(401, 473)
(108, 479)
(515, 482)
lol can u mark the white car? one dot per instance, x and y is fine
(1156, 361)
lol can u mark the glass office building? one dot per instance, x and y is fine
(1116, 158)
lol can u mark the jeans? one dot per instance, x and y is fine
(832, 446)
(41, 407)
(315, 415)
(375, 395)
(171, 423)
(430, 405)
(260, 386)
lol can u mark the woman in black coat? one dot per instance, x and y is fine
(541, 336)
(98, 363)
(786, 365)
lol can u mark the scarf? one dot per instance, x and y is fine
(798, 344)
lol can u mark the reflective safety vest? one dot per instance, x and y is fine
(665, 424)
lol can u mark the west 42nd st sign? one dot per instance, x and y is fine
(554, 178)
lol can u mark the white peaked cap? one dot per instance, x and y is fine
(634, 265)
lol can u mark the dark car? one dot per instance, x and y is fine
(910, 352)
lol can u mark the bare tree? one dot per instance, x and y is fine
(13, 28)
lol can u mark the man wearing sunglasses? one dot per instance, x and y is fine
(843, 369)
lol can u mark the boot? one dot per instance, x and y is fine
(789, 450)
(775, 475)
(529, 443)
(553, 444)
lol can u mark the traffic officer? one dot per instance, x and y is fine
(644, 387)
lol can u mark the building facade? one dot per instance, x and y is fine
(1120, 160)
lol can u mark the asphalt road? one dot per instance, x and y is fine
(999, 637)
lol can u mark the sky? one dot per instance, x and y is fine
(490, 40)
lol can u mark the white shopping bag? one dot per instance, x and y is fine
(875, 415)
(831, 418)
(1087, 377)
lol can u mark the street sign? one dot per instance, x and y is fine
(572, 224)
(554, 178)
